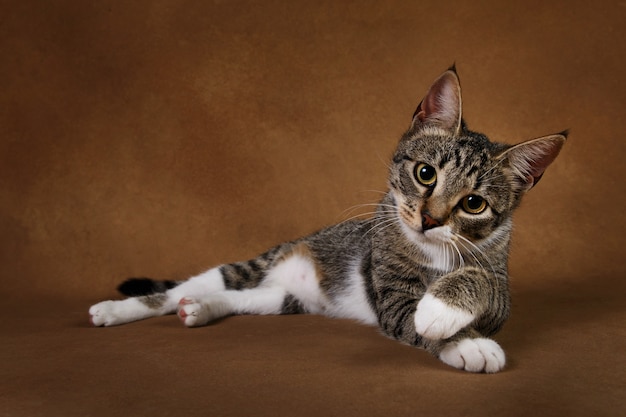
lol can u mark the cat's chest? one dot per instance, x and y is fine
(412, 271)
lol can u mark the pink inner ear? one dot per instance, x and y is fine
(539, 166)
(419, 113)
(430, 103)
(442, 104)
(530, 159)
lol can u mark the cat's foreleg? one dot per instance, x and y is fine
(470, 295)
(467, 349)
(111, 313)
(473, 354)
(456, 314)
(435, 319)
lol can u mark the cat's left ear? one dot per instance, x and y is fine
(441, 106)
(529, 159)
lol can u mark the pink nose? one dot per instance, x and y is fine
(428, 222)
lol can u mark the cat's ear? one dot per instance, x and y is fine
(442, 105)
(529, 159)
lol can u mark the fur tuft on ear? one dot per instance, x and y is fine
(442, 105)
(529, 159)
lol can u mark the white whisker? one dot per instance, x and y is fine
(461, 260)
(375, 191)
(473, 248)
(381, 226)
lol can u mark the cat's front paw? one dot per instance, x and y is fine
(474, 355)
(436, 320)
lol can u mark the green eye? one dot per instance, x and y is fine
(473, 204)
(425, 174)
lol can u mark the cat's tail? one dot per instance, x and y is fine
(135, 287)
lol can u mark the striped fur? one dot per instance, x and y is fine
(429, 268)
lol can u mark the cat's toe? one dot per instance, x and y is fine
(436, 320)
(191, 312)
(474, 355)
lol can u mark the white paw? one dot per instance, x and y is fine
(474, 355)
(436, 320)
(104, 314)
(112, 313)
(193, 313)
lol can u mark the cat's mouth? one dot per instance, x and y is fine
(441, 234)
(415, 232)
(436, 244)
(418, 229)
(416, 222)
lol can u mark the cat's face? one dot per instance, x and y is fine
(454, 191)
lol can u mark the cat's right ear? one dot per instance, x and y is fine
(442, 105)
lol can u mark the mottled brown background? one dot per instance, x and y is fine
(160, 138)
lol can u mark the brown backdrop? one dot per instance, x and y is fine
(160, 138)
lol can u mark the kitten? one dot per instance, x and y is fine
(429, 268)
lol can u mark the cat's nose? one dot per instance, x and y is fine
(429, 222)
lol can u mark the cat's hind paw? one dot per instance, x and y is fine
(104, 314)
(189, 312)
(193, 313)
(199, 312)
(436, 320)
(474, 355)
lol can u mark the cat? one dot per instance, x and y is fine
(429, 268)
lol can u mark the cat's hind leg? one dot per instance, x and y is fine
(291, 285)
(112, 313)
(115, 312)
(199, 311)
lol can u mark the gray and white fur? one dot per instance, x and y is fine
(429, 268)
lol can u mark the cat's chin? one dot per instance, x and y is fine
(431, 243)
(435, 236)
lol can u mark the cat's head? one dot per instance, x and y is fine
(454, 191)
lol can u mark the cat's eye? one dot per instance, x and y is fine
(425, 174)
(473, 204)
